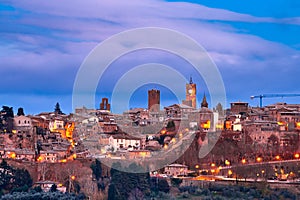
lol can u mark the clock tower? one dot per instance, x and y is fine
(190, 93)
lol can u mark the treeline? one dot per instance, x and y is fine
(13, 179)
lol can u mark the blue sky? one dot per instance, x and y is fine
(255, 45)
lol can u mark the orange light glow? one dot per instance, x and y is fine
(163, 132)
(197, 166)
(219, 126)
(13, 155)
(206, 125)
(69, 130)
(244, 161)
(277, 157)
(213, 165)
(174, 140)
(227, 162)
(143, 154)
(280, 123)
(258, 159)
(228, 125)
(40, 159)
(74, 156)
(73, 177)
(297, 155)
(165, 146)
(229, 172)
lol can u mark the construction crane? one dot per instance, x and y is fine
(271, 96)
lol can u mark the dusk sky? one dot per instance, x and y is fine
(255, 45)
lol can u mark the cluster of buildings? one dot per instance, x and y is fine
(137, 133)
(273, 125)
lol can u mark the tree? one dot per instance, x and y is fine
(136, 194)
(6, 119)
(12, 179)
(53, 188)
(171, 125)
(97, 169)
(22, 178)
(6, 176)
(20, 112)
(136, 183)
(7, 112)
(159, 185)
(176, 182)
(57, 109)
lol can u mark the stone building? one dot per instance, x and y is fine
(153, 100)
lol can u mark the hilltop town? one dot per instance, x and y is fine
(167, 141)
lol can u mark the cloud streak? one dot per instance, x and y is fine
(43, 43)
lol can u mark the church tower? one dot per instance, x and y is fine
(204, 103)
(190, 93)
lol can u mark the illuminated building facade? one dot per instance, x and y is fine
(190, 94)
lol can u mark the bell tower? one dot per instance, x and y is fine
(190, 92)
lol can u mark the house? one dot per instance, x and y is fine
(178, 110)
(25, 155)
(139, 154)
(56, 124)
(176, 170)
(23, 125)
(124, 141)
(48, 156)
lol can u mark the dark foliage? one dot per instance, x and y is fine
(124, 185)
(43, 196)
(57, 109)
(159, 185)
(6, 119)
(53, 188)
(97, 169)
(176, 182)
(14, 180)
(20, 112)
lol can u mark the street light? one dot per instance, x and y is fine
(227, 162)
(258, 159)
(297, 155)
(244, 161)
(277, 157)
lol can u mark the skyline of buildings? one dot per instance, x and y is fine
(150, 106)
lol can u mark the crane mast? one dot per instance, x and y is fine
(272, 96)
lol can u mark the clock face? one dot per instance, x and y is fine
(190, 91)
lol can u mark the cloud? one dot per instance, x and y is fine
(43, 43)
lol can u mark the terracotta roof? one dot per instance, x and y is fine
(125, 136)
